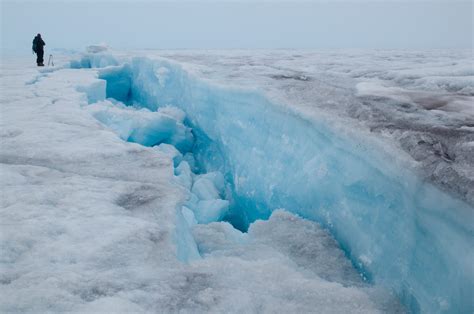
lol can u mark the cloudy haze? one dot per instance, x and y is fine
(243, 24)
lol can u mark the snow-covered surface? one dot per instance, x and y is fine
(95, 217)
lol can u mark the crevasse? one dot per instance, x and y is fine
(398, 230)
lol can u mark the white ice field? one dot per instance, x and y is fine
(238, 182)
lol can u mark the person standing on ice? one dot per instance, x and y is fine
(38, 48)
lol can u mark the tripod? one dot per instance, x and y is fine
(50, 60)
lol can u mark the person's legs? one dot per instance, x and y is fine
(40, 58)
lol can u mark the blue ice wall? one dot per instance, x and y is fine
(118, 82)
(400, 231)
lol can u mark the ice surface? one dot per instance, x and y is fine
(94, 60)
(184, 174)
(91, 222)
(97, 48)
(82, 211)
(281, 248)
(143, 126)
(272, 157)
(209, 186)
(430, 95)
(165, 126)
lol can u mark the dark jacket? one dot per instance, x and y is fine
(38, 44)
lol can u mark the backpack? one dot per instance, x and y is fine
(34, 45)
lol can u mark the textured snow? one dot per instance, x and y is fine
(115, 205)
(80, 208)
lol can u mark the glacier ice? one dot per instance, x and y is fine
(97, 48)
(419, 94)
(94, 60)
(91, 222)
(209, 186)
(397, 230)
(165, 130)
(143, 126)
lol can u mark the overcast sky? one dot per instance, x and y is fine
(241, 24)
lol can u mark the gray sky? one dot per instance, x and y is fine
(242, 24)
